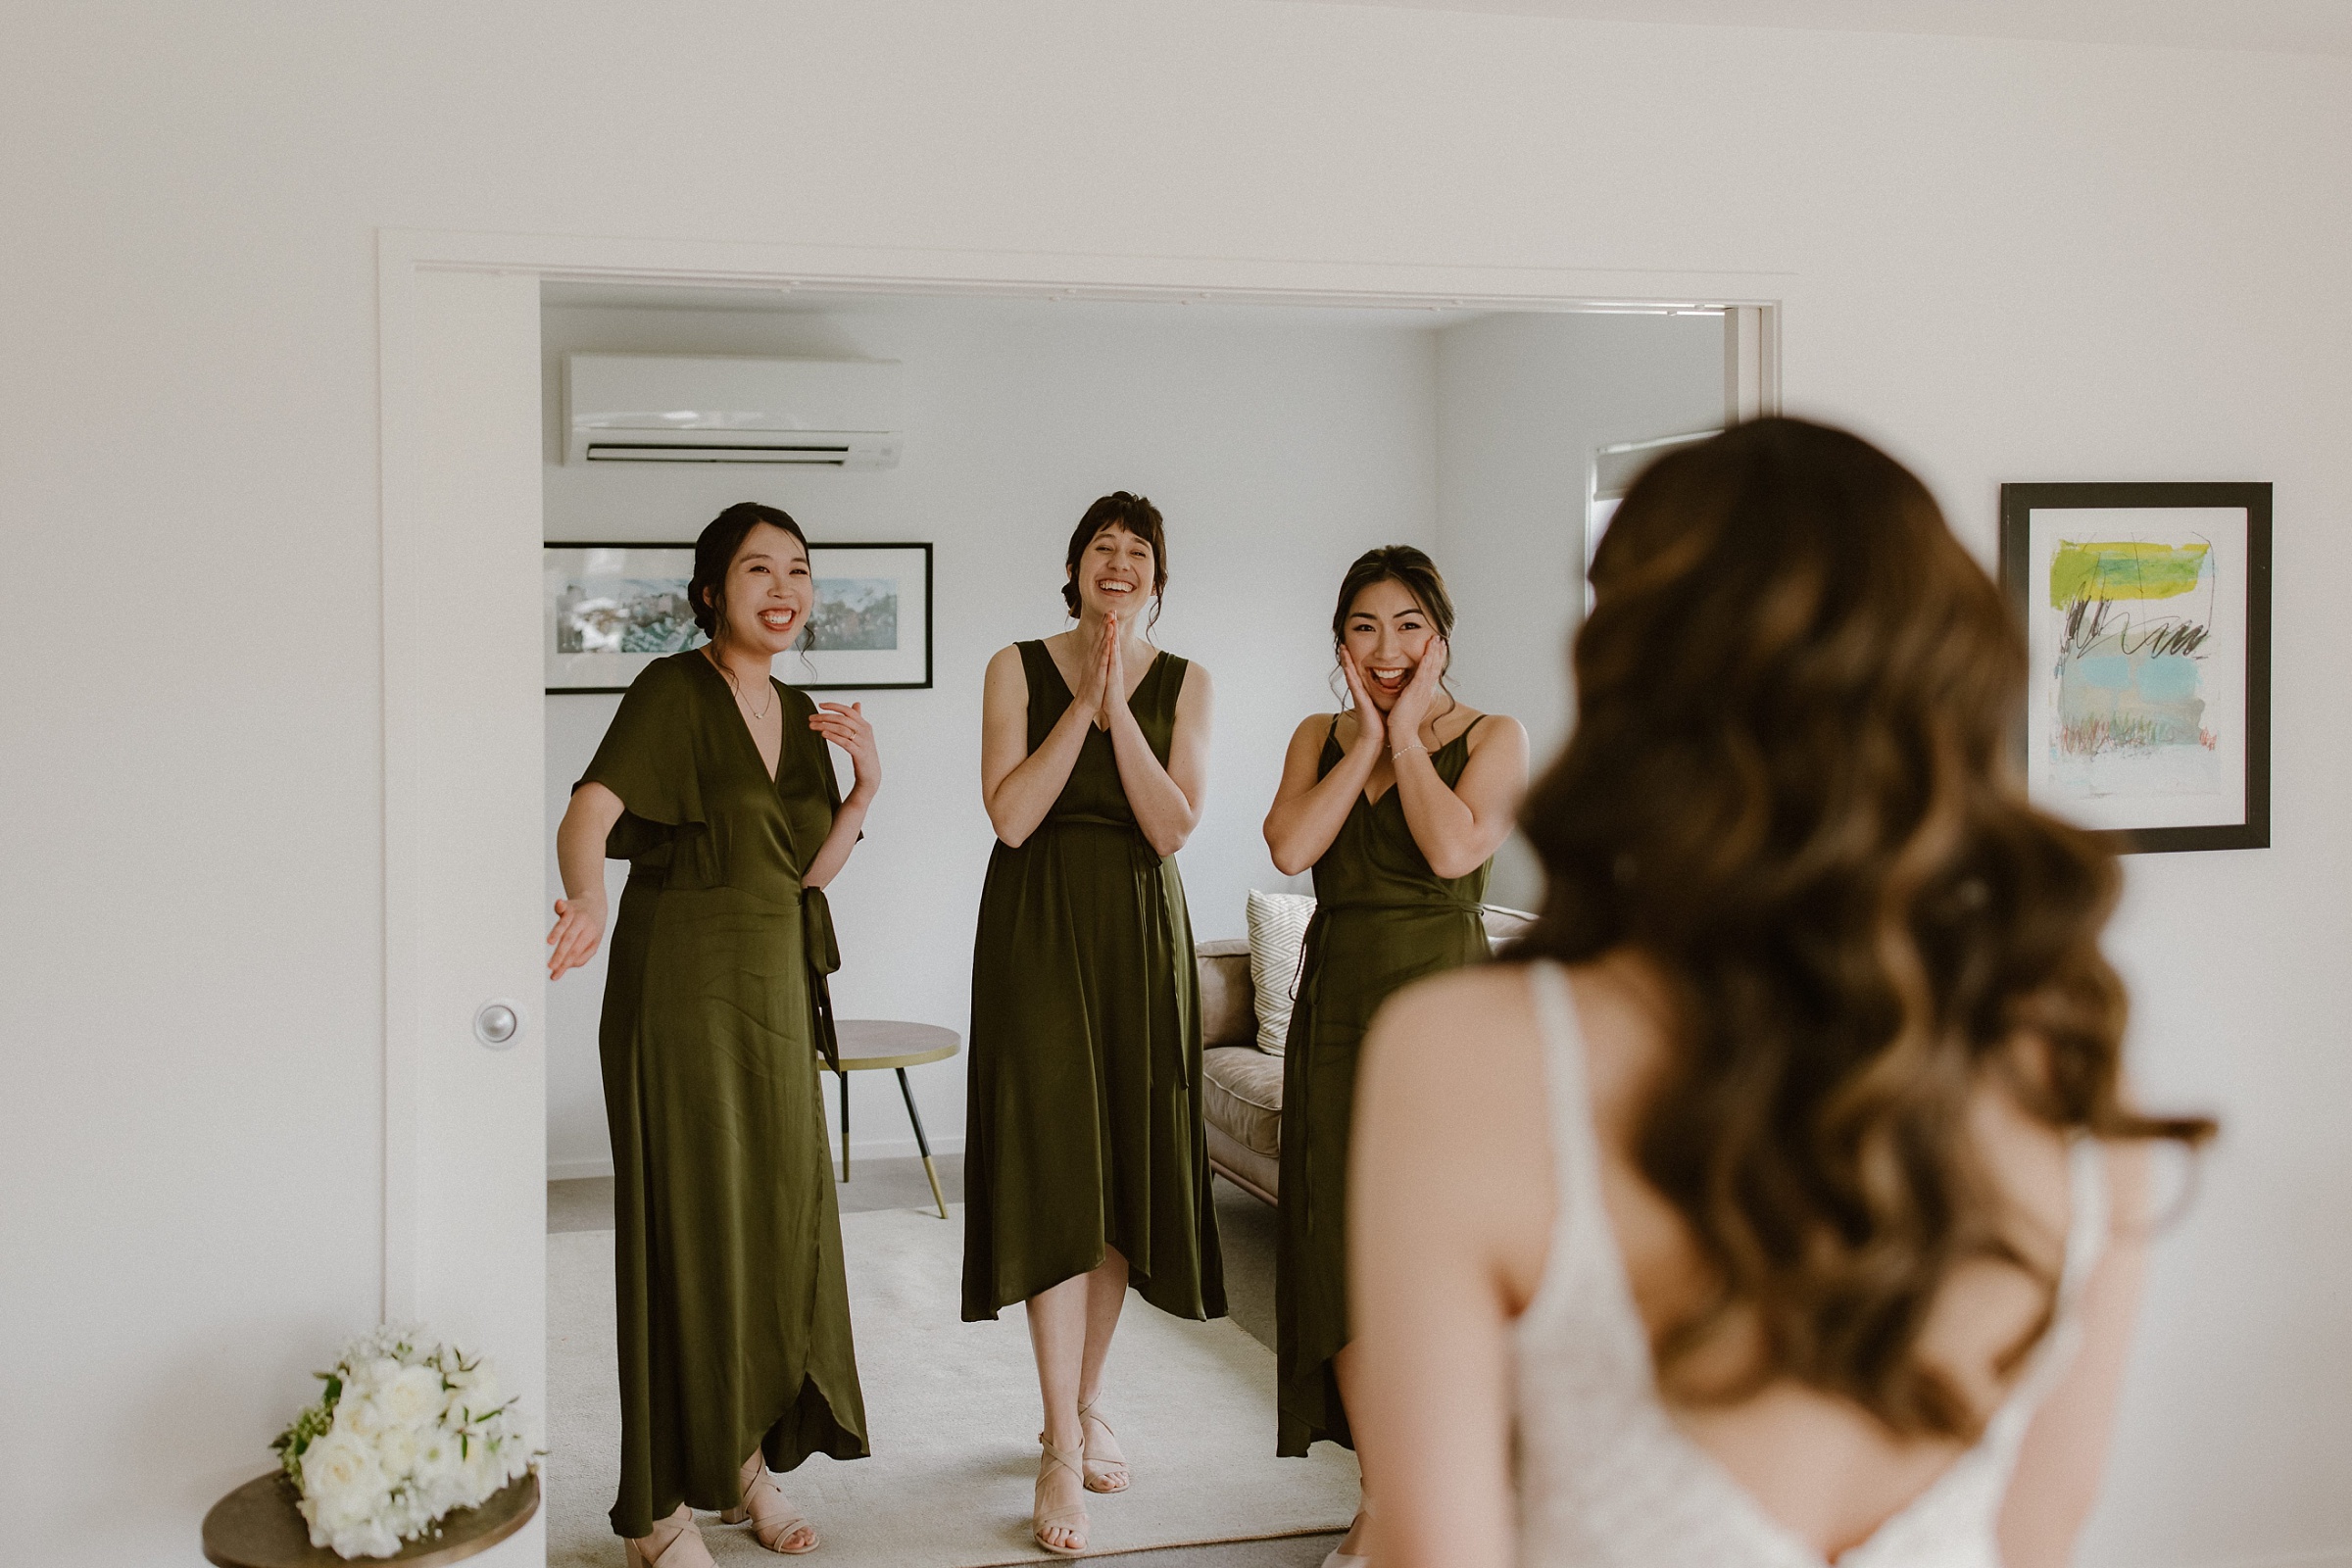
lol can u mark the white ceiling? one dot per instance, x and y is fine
(2299, 27)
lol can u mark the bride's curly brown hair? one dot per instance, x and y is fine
(1790, 788)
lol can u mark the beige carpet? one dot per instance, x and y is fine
(951, 1411)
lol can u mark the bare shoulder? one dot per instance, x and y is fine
(1314, 728)
(1007, 680)
(1198, 691)
(1453, 1109)
(1491, 729)
(1463, 1043)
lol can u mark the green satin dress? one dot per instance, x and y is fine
(1083, 1124)
(1382, 918)
(733, 1307)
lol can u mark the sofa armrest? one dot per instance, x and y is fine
(1228, 1001)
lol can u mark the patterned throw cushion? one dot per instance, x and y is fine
(1277, 930)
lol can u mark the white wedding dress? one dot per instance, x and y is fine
(1606, 1477)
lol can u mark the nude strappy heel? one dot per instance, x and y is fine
(774, 1520)
(684, 1548)
(1072, 1518)
(1113, 1477)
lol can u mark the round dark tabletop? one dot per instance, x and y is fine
(256, 1525)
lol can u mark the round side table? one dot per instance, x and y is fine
(874, 1043)
(256, 1525)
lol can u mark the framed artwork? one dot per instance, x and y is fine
(2147, 614)
(610, 610)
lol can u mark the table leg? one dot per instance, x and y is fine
(844, 1124)
(922, 1143)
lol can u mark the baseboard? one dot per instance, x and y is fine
(577, 1170)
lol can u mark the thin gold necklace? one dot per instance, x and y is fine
(755, 713)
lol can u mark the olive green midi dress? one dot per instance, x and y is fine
(733, 1309)
(1382, 918)
(1083, 1124)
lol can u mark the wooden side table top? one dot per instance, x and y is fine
(256, 1525)
(887, 1043)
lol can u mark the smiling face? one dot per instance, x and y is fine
(1114, 573)
(1387, 633)
(769, 592)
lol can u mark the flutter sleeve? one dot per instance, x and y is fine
(646, 757)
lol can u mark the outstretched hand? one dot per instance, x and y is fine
(1371, 730)
(579, 931)
(847, 727)
(1420, 694)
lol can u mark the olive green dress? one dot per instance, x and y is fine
(1382, 918)
(734, 1312)
(1083, 1124)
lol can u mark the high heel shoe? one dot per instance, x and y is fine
(1113, 1477)
(1072, 1518)
(775, 1523)
(681, 1546)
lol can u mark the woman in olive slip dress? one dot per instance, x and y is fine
(1399, 806)
(1087, 1165)
(714, 782)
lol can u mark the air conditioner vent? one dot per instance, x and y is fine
(646, 408)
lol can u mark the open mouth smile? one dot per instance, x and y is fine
(778, 619)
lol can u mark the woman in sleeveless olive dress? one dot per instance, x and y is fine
(714, 783)
(1086, 1168)
(1398, 805)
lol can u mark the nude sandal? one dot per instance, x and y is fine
(684, 1547)
(774, 1518)
(1070, 1518)
(1114, 1472)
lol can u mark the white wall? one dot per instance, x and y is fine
(1523, 403)
(1278, 444)
(2007, 260)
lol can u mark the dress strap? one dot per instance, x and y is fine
(1574, 1157)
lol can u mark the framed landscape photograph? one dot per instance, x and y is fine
(610, 610)
(2148, 615)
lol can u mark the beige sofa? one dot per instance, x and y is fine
(1241, 1092)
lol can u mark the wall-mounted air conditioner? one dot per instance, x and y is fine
(651, 408)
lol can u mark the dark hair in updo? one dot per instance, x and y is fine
(1138, 517)
(1416, 574)
(714, 552)
(1397, 563)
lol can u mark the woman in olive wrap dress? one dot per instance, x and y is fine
(714, 783)
(1398, 805)
(1086, 1168)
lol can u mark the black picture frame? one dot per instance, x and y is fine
(668, 561)
(2019, 503)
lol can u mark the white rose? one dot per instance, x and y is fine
(414, 1396)
(336, 1467)
(372, 1373)
(361, 1418)
(439, 1473)
(396, 1450)
(485, 1472)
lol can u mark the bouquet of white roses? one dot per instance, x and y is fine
(407, 1431)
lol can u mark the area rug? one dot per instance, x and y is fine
(952, 1413)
